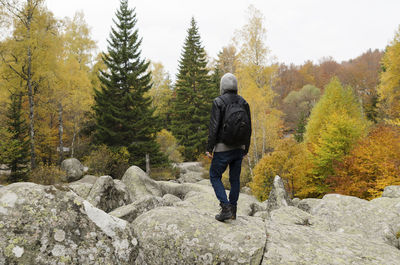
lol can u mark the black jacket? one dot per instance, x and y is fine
(217, 116)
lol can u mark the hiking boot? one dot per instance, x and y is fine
(225, 213)
(233, 209)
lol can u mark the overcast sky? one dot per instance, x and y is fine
(297, 30)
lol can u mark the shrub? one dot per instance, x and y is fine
(169, 146)
(108, 161)
(165, 173)
(46, 175)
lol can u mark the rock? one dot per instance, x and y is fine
(307, 204)
(278, 197)
(258, 207)
(191, 177)
(205, 182)
(73, 168)
(139, 184)
(190, 172)
(83, 186)
(391, 192)
(263, 215)
(43, 225)
(376, 220)
(246, 190)
(131, 211)
(295, 237)
(172, 235)
(295, 202)
(170, 200)
(107, 194)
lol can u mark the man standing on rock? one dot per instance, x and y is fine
(228, 142)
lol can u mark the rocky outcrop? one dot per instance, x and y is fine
(73, 168)
(108, 194)
(278, 197)
(44, 225)
(175, 235)
(391, 192)
(139, 184)
(296, 237)
(165, 222)
(131, 211)
(190, 172)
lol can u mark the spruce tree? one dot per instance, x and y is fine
(194, 94)
(18, 144)
(123, 114)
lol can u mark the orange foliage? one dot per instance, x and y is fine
(371, 166)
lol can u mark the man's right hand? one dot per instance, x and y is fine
(209, 155)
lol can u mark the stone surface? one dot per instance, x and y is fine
(295, 237)
(43, 225)
(278, 197)
(107, 194)
(131, 211)
(170, 200)
(391, 192)
(139, 184)
(172, 235)
(191, 172)
(73, 168)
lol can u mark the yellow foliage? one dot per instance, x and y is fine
(169, 146)
(389, 88)
(289, 161)
(371, 166)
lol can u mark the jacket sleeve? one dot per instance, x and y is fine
(247, 146)
(215, 120)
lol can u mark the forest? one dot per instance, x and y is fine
(325, 127)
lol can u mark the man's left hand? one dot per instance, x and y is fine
(209, 155)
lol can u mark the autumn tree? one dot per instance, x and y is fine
(388, 89)
(255, 80)
(373, 164)
(194, 95)
(123, 114)
(298, 106)
(23, 15)
(161, 93)
(289, 161)
(335, 124)
(227, 60)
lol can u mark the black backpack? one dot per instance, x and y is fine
(236, 125)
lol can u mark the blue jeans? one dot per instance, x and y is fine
(220, 162)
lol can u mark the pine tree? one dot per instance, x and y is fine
(18, 146)
(194, 95)
(123, 114)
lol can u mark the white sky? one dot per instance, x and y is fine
(297, 30)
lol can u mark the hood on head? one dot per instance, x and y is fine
(228, 83)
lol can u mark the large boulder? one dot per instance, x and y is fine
(131, 211)
(377, 219)
(83, 186)
(73, 168)
(173, 235)
(107, 194)
(391, 192)
(44, 225)
(296, 237)
(139, 184)
(278, 197)
(190, 172)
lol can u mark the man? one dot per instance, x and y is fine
(228, 142)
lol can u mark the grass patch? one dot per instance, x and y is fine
(398, 234)
(165, 173)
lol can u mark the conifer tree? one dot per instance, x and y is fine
(194, 95)
(123, 114)
(18, 146)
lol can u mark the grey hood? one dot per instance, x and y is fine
(228, 83)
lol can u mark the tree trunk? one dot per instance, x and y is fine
(31, 95)
(73, 142)
(60, 132)
(148, 164)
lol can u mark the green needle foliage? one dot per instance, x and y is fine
(194, 94)
(124, 117)
(18, 143)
